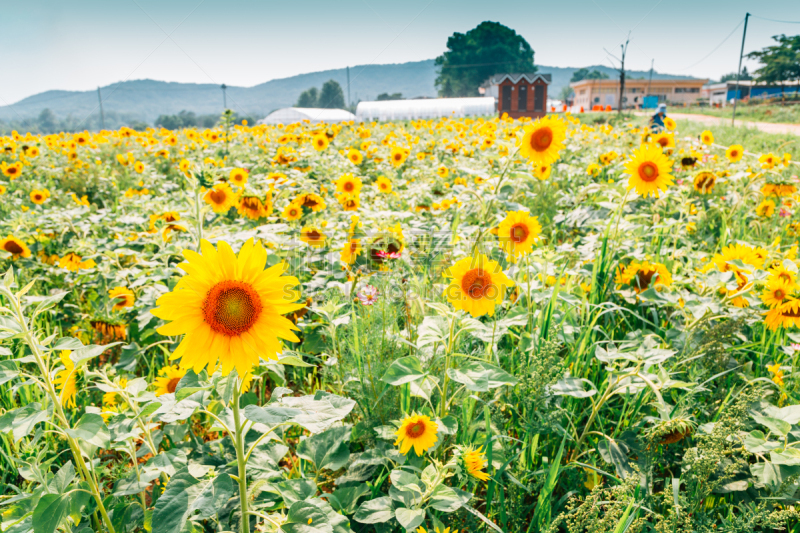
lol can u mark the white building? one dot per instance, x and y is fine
(290, 115)
(425, 108)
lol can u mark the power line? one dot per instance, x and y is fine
(717, 47)
(776, 20)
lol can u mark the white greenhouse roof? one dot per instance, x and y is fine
(290, 115)
(425, 108)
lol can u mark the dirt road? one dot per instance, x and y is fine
(766, 127)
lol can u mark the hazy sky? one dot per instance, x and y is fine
(80, 44)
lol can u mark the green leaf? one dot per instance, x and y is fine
(314, 413)
(569, 386)
(479, 376)
(375, 511)
(305, 517)
(63, 478)
(295, 490)
(403, 370)
(50, 512)
(345, 499)
(410, 519)
(22, 421)
(214, 497)
(449, 499)
(291, 360)
(8, 371)
(92, 429)
(46, 302)
(68, 343)
(188, 385)
(175, 506)
(775, 425)
(328, 449)
(90, 352)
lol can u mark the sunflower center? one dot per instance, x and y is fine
(13, 248)
(173, 384)
(644, 277)
(519, 233)
(779, 294)
(734, 153)
(542, 139)
(476, 283)
(792, 313)
(784, 276)
(313, 235)
(349, 186)
(648, 171)
(217, 196)
(663, 142)
(231, 307)
(416, 429)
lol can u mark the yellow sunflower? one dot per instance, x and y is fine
(442, 171)
(766, 208)
(785, 315)
(593, 169)
(543, 140)
(253, 208)
(355, 156)
(292, 212)
(418, 431)
(707, 137)
(776, 292)
(168, 382)
(398, 156)
(477, 285)
(15, 247)
(704, 182)
(640, 276)
(312, 201)
(780, 272)
(734, 153)
(475, 461)
(65, 380)
(39, 196)
(122, 296)
(238, 177)
(384, 184)
(73, 262)
(350, 251)
(670, 124)
(518, 232)
(320, 142)
(649, 171)
(220, 197)
(665, 140)
(348, 184)
(312, 236)
(138, 167)
(229, 308)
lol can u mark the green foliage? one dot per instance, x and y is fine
(586, 74)
(308, 98)
(780, 62)
(387, 96)
(472, 57)
(331, 96)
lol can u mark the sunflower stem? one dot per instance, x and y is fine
(240, 459)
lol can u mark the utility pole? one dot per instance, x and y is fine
(102, 116)
(624, 49)
(739, 72)
(224, 97)
(348, 86)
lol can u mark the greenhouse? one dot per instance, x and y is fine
(290, 115)
(425, 108)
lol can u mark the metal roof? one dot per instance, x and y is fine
(530, 77)
(425, 108)
(289, 115)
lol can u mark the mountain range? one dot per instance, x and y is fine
(146, 99)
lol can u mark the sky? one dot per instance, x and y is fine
(82, 44)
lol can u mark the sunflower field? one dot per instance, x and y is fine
(477, 324)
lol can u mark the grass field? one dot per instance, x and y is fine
(756, 112)
(571, 325)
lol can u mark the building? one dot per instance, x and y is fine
(426, 108)
(591, 93)
(519, 95)
(290, 115)
(721, 94)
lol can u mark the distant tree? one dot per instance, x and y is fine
(586, 74)
(780, 62)
(331, 96)
(472, 57)
(566, 93)
(732, 76)
(47, 121)
(387, 96)
(308, 98)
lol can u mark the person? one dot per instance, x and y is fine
(657, 120)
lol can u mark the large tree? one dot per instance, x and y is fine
(331, 96)
(780, 62)
(472, 57)
(586, 74)
(308, 98)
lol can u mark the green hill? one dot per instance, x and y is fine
(145, 100)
